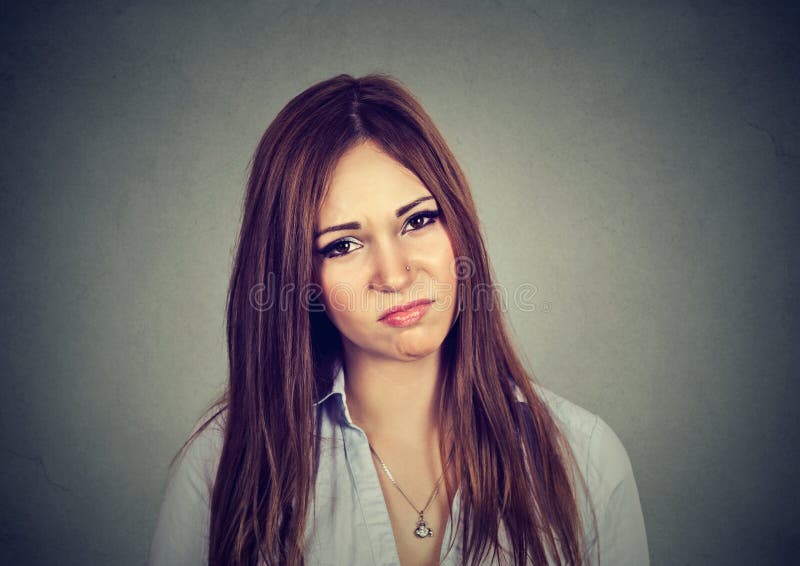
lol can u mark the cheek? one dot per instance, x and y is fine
(443, 259)
(338, 293)
(444, 272)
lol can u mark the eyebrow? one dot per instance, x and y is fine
(357, 226)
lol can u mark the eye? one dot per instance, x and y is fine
(344, 246)
(339, 248)
(422, 219)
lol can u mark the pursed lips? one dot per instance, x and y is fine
(405, 307)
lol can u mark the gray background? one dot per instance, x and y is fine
(638, 163)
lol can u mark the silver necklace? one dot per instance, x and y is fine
(422, 529)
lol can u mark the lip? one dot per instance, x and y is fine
(407, 316)
(405, 307)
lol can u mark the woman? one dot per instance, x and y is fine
(376, 411)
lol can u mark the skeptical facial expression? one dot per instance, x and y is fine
(376, 220)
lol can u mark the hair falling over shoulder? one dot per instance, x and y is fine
(283, 359)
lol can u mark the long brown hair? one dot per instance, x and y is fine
(284, 352)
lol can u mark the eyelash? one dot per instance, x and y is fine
(431, 215)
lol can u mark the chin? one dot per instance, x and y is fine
(416, 349)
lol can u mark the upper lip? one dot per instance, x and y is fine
(404, 307)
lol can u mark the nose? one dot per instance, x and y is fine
(389, 272)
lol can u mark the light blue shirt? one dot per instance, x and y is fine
(352, 525)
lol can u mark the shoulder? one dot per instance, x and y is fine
(599, 453)
(198, 460)
(181, 533)
(205, 442)
(609, 479)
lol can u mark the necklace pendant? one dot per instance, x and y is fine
(422, 530)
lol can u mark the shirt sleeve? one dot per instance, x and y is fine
(620, 522)
(181, 535)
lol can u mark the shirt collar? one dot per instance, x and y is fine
(517, 392)
(338, 389)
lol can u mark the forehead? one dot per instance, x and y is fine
(365, 180)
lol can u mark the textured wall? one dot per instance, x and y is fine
(638, 164)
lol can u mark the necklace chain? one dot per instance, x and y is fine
(422, 530)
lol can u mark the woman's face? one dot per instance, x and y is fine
(376, 219)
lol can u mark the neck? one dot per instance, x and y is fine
(389, 397)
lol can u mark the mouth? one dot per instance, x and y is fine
(399, 312)
(407, 316)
